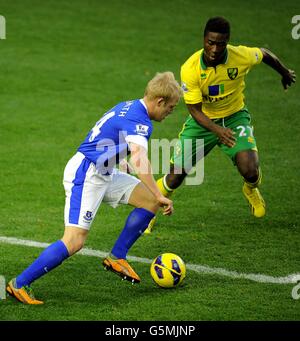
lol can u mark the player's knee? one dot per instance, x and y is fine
(74, 246)
(175, 180)
(251, 174)
(78, 245)
(74, 241)
(151, 204)
(248, 165)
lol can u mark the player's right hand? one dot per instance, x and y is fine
(288, 78)
(166, 204)
(226, 136)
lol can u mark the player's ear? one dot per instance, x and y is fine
(160, 101)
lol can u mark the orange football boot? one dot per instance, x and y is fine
(23, 294)
(121, 268)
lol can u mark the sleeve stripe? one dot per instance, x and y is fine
(137, 139)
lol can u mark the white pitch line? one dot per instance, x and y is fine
(292, 278)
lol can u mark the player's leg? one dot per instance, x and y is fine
(248, 165)
(48, 260)
(146, 207)
(127, 189)
(167, 184)
(172, 180)
(188, 151)
(74, 238)
(247, 162)
(245, 156)
(82, 201)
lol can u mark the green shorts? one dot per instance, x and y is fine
(196, 141)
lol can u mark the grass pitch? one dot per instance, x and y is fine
(63, 64)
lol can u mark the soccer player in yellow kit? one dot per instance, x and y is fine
(213, 81)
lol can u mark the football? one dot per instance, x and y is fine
(168, 270)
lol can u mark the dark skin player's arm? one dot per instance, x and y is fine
(225, 135)
(288, 75)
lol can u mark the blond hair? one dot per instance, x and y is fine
(163, 85)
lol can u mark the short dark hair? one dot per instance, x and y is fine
(218, 25)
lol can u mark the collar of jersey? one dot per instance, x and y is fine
(144, 105)
(223, 61)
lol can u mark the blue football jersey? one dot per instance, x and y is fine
(107, 142)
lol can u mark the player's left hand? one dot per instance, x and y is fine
(288, 78)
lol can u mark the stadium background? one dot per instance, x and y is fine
(62, 65)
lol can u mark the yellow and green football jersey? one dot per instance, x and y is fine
(219, 89)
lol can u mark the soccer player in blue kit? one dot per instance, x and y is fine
(91, 177)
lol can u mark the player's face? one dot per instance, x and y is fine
(214, 47)
(165, 108)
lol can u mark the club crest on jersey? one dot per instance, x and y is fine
(141, 129)
(232, 72)
(88, 216)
